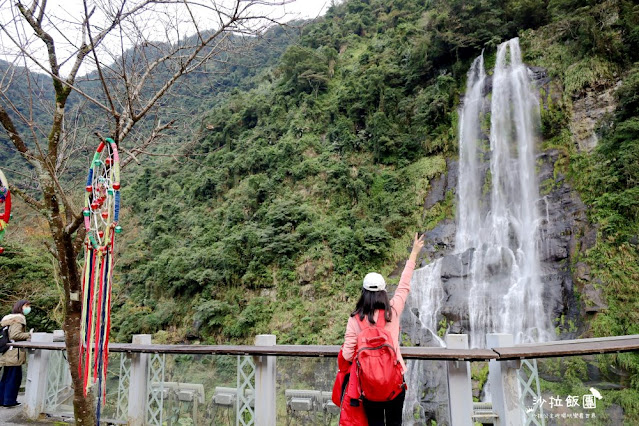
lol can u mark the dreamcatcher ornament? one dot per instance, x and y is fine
(5, 206)
(101, 215)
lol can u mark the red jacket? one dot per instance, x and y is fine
(349, 415)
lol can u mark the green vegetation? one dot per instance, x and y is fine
(479, 375)
(294, 191)
(575, 51)
(26, 272)
(607, 180)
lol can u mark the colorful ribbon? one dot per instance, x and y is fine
(5, 200)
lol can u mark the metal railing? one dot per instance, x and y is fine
(253, 399)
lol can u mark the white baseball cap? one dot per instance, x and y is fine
(374, 282)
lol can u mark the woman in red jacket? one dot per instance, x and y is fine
(372, 302)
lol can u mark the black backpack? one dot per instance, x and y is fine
(5, 343)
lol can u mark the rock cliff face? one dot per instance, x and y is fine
(587, 111)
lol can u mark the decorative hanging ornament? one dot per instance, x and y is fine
(101, 214)
(5, 206)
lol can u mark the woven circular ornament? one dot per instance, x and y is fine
(102, 199)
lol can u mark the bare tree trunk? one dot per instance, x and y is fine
(83, 406)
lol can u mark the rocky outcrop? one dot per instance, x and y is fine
(436, 192)
(587, 112)
(441, 240)
(565, 233)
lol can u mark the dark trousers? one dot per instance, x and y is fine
(391, 410)
(10, 384)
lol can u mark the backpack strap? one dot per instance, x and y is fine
(381, 321)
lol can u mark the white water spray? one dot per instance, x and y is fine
(506, 291)
(497, 207)
(427, 292)
(469, 185)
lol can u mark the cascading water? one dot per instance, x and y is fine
(427, 292)
(497, 218)
(506, 290)
(469, 187)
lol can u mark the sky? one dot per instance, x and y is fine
(308, 8)
(67, 14)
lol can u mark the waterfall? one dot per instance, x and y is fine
(427, 292)
(428, 298)
(497, 216)
(469, 188)
(506, 290)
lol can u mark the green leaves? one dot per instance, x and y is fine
(613, 183)
(212, 313)
(25, 271)
(304, 70)
(588, 72)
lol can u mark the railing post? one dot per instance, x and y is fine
(502, 376)
(265, 383)
(138, 394)
(36, 386)
(460, 391)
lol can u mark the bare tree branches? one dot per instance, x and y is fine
(136, 50)
(140, 149)
(14, 135)
(32, 202)
(119, 40)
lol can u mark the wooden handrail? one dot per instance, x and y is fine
(523, 351)
(277, 350)
(600, 345)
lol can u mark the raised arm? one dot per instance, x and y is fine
(399, 299)
(418, 245)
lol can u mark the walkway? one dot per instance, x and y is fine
(13, 416)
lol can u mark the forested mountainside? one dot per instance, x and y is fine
(197, 92)
(302, 184)
(26, 268)
(318, 171)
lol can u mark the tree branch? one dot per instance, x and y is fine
(105, 88)
(32, 202)
(75, 224)
(13, 134)
(157, 130)
(171, 81)
(44, 36)
(79, 239)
